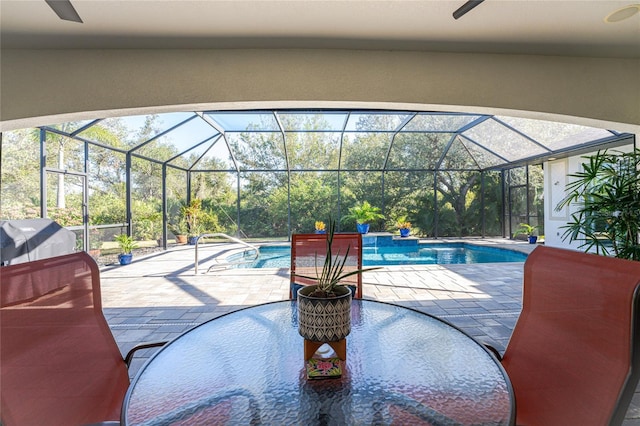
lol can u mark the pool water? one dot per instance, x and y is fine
(420, 254)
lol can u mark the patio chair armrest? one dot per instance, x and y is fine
(147, 345)
(494, 351)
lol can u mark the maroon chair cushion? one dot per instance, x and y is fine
(572, 358)
(59, 362)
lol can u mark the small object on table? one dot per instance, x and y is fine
(339, 346)
(321, 368)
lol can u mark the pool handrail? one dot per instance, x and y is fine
(220, 234)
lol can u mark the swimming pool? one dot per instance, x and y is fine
(420, 254)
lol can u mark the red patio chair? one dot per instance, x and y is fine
(59, 362)
(574, 354)
(306, 248)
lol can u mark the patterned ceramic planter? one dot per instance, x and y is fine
(324, 319)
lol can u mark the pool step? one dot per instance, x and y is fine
(386, 239)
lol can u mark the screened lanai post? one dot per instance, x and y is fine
(127, 179)
(289, 205)
(504, 204)
(482, 215)
(382, 191)
(238, 203)
(60, 198)
(43, 177)
(286, 155)
(188, 187)
(435, 204)
(508, 207)
(164, 206)
(85, 197)
(528, 197)
(339, 176)
(85, 202)
(339, 202)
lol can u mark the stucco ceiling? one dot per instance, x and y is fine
(552, 27)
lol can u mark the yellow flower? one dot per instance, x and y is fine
(404, 225)
(320, 226)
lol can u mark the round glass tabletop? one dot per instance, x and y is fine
(248, 367)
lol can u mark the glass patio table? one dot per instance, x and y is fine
(247, 367)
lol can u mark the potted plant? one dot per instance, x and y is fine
(152, 225)
(321, 228)
(127, 245)
(324, 308)
(193, 215)
(363, 214)
(194, 233)
(528, 230)
(405, 228)
(179, 229)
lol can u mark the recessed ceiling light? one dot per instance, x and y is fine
(622, 13)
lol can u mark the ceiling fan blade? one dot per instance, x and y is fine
(466, 8)
(64, 9)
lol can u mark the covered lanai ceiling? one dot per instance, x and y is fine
(408, 140)
(546, 27)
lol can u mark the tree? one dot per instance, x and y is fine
(458, 190)
(313, 197)
(20, 179)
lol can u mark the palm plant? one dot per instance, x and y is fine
(193, 215)
(364, 213)
(526, 229)
(403, 223)
(178, 227)
(126, 243)
(607, 193)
